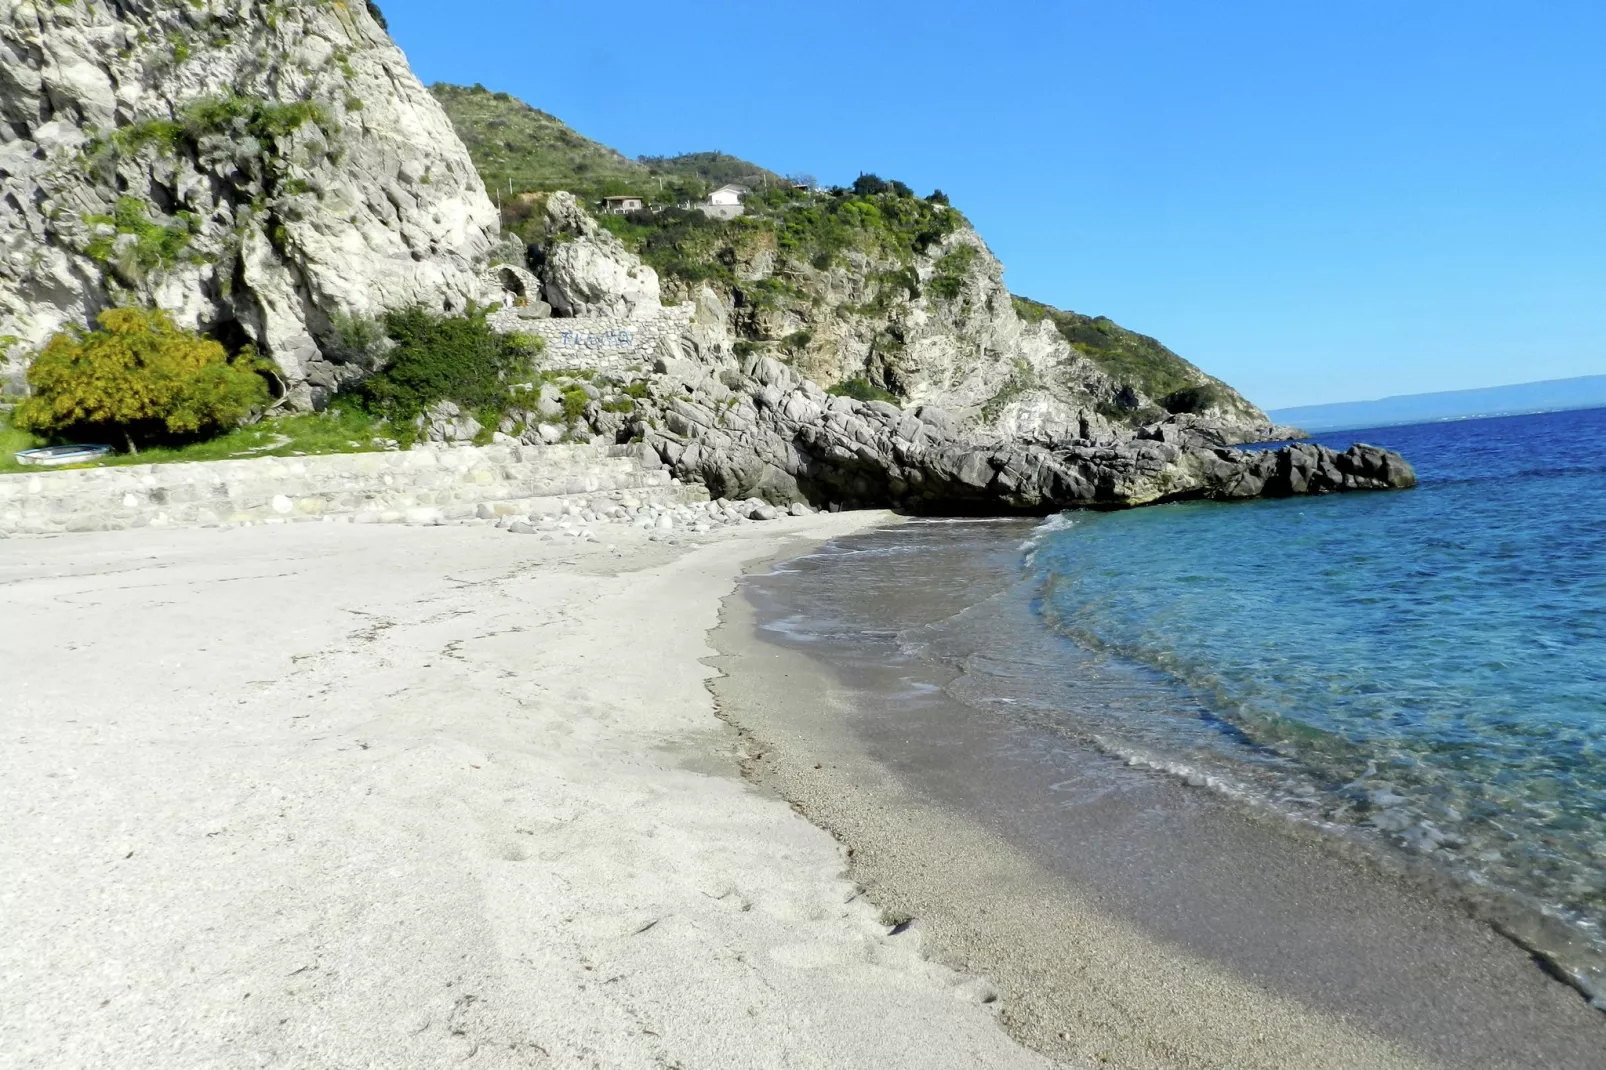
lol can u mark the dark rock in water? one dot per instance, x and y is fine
(757, 429)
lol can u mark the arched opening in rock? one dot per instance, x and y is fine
(512, 284)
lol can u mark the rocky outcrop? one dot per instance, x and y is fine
(588, 272)
(1212, 429)
(751, 426)
(258, 169)
(757, 428)
(935, 325)
(1004, 414)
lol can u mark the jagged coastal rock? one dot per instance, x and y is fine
(920, 309)
(589, 272)
(1001, 414)
(255, 168)
(757, 428)
(952, 337)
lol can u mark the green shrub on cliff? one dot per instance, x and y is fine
(153, 244)
(885, 225)
(1196, 399)
(950, 271)
(678, 243)
(230, 113)
(868, 185)
(861, 389)
(138, 379)
(446, 358)
(807, 228)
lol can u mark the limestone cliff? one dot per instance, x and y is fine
(897, 296)
(934, 324)
(256, 168)
(754, 427)
(871, 286)
(719, 411)
(264, 170)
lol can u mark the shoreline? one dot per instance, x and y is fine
(1140, 893)
(367, 795)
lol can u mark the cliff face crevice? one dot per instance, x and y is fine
(258, 169)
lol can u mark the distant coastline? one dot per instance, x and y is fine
(1551, 395)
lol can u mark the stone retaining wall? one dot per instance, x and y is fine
(422, 486)
(612, 345)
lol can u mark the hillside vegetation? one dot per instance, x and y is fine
(806, 228)
(520, 149)
(846, 283)
(712, 168)
(1130, 358)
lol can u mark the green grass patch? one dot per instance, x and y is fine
(340, 430)
(13, 441)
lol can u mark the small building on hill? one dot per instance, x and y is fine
(729, 194)
(725, 202)
(622, 204)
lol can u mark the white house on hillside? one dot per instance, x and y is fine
(725, 202)
(621, 205)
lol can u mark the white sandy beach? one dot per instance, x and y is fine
(340, 796)
(330, 796)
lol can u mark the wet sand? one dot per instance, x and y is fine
(1124, 918)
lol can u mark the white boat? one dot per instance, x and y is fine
(54, 455)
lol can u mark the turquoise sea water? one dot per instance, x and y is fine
(1426, 668)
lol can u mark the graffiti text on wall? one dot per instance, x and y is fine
(616, 339)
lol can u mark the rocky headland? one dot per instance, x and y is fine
(742, 420)
(270, 172)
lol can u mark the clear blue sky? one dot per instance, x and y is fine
(1316, 202)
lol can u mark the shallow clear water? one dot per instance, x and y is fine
(1426, 665)
(1422, 672)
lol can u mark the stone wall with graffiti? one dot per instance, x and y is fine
(614, 345)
